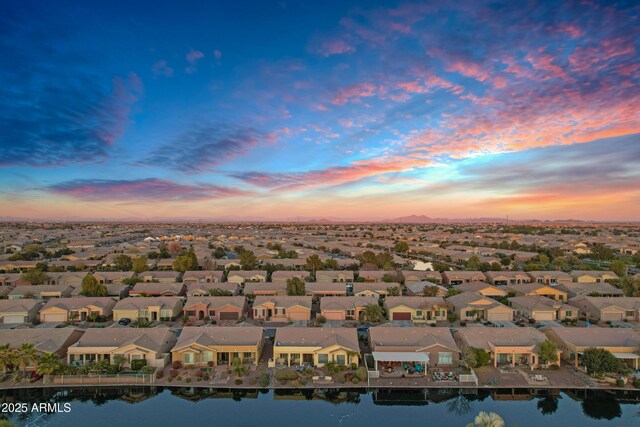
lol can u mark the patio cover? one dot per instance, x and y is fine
(626, 355)
(400, 356)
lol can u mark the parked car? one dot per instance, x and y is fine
(124, 321)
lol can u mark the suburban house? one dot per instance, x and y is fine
(282, 308)
(152, 289)
(507, 346)
(609, 309)
(585, 276)
(549, 277)
(14, 311)
(532, 289)
(471, 306)
(504, 278)
(196, 289)
(203, 276)
(391, 344)
(334, 276)
(265, 288)
(73, 279)
(243, 276)
(209, 345)
(418, 288)
(45, 341)
(283, 276)
(150, 344)
(215, 308)
(151, 308)
(454, 278)
(482, 288)
(373, 275)
(603, 289)
(77, 308)
(343, 308)
(40, 291)
(416, 309)
(160, 276)
(415, 276)
(375, 289)
(543, 308)
(623, 343)
(326, 289)
(316, 346)
(108, 277)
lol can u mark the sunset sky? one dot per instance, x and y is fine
(356, 110)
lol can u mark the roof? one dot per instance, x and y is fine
(39, 289)
(374, 286)
(501, 337)
(153, 339)
(44, 340)
(247, 273)
(394, 356)
(470, 299)
(580, 288)
(17, 305)
(326, 286)
(410, 339)
(144, 302)
(599, 337)
(76, 303)
(463, 274)
(625, 303)
(415, 302)
(539, 302)
(317, 337)
(216, 302)
(284, 300)
(157, 287)
(479, 286)
(344, 303)
(211, 336)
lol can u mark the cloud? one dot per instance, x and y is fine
(192, 58)
(161, 68)
(149, 189)
(204, 147)
(334, 47)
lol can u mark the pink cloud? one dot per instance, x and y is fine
(161, 68)
(335, 47)
(354, 92)
(217, 54)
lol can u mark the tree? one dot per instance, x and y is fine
(119, 361)
(139, 264)
(393, 291)
(330, 264)
(389, 278)
(548, 353)
(440, 266)
(186, 262)
(48, 363)
(630, 286)
(35, 277)
(600, 361)
(543, 259)
(123, 262)
(430, 291)
(401, 246)
(314, 263)
(42, 266)
(384, 260)
(219, 252)
(468, 358)
(219, 293)
(174, 248)
(238, 367)
(141, 322)
(26, 354)
(451, 292)
(7, 358)
(487, 419)
(618, 267)
(91, 287)
(372, 313)
(247, 260)
(164, 251)
(481, 357)
(473, 263)
(295, 287)
(601, 252)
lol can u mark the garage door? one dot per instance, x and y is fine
(401, 316)
(54, 318)
(13, 319)
(500, 317)
(230, 315)
(544, 315)
(611, 316)
(332, 315)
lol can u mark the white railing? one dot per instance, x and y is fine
(469, 378)
(100, 379)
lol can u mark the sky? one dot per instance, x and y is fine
(332, 109)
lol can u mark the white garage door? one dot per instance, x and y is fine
(54, 318)
(500, 317)
(544, 315)
(13, 319)
(611, 316)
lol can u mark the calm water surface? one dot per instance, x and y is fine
(173, 407)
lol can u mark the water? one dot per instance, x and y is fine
(126, 406)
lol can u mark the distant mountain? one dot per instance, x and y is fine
(423, 219)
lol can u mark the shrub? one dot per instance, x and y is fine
(636, 383)
(264, 380)
(340, 379)
(177, 364)
(532, 320)
(173, 373)
(159, 374)
(303, 381)
(283, 381)
(205, 377)
(355, 380)
(179, 378)
(170, 379)
(361, 373)
(619, 383)
(452, 317)
(354, 366)
(199, 374)
(210, 363)
(188, 380)
(286, 374)
(554, 367)
(238, 381)
(138, 364)
(321, 319)
(349, 376)
(463, 323)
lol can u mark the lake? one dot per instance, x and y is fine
(142, 406)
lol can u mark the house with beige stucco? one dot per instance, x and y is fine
(454, 278)
(210, 345)
(316, 346)
(533, 289)
(151, 308)
(543, 308)
(416, 309)
(244, 276)
(593, 276)
(341, 276)
(14, 311)
(608, 308)
(282, 308)
(470, 306)
(76, 309)
(201, 309)
(376, 290)
(343, 307)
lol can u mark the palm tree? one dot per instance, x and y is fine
(7, 357)
(48, 364)
(25, 355)
(372, 313)
(487, 419)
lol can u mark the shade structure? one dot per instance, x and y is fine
(400, 356)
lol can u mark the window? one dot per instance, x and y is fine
(468, 313)
(212, 313)
(207, 356)
(248, 355)
(144, 313)
(191, 313)
(629, 313)
(418, 313)
(166, 314)
(351, 312)
(340, 359)
(445, 358)
(323, 358)
(279, 311)
(187, 357)
(569, 313)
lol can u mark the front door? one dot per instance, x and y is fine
(201, 315)
(223, 358)
(154, 315)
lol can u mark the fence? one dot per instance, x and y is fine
(469, 378)
(125, 379)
